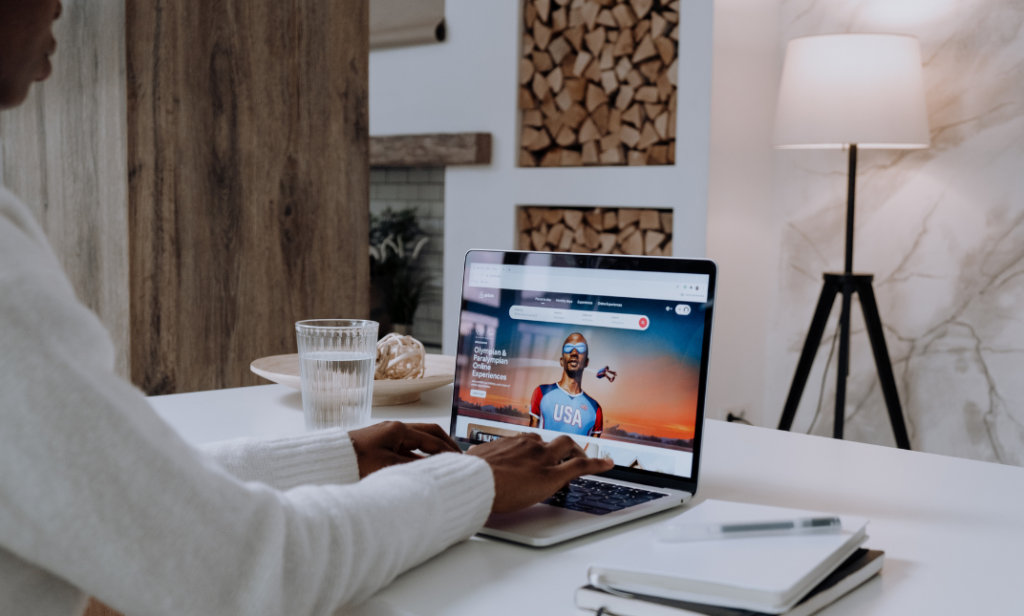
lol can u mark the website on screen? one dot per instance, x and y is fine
(611, 358)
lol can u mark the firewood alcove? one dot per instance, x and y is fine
(598, 82)
(630, 231)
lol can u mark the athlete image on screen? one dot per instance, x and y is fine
(563, 406)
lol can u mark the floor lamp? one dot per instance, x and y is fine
(850, 91)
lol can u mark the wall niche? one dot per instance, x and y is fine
(616, 231)
(598, 82)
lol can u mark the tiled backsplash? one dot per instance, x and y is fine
(423, 190)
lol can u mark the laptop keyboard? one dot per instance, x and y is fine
(599, 497)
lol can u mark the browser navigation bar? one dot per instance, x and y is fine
(615, 320)
(614, 283)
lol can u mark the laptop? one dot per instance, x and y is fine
(609, 349)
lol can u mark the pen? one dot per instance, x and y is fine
(703, 532)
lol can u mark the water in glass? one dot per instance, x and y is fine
(336, 365)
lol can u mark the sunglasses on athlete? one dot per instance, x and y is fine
(580, 347)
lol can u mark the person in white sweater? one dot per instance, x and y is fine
(99, 497)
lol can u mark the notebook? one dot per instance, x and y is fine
(857, 569)
(765, 574)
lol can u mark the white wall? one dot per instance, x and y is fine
(468, 83)
(745, 82)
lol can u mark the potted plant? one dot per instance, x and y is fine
(396, 241)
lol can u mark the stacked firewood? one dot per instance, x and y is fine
(598, 82)
(630, 231)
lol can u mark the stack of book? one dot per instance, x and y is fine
(793, 573)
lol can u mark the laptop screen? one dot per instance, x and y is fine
(610, 350)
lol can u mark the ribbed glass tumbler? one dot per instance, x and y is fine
(336, 362)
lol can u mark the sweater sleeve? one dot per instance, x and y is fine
(317, 458)
(97, 490)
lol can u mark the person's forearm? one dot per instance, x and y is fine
(414, 511)
(313, 458)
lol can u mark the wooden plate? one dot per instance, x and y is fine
(440, 371)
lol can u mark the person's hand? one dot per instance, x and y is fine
(527, 470)
(393, 442)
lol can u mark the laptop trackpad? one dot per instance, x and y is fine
(538, 520)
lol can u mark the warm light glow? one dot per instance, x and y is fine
(843, 89)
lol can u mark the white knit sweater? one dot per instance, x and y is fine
(99, 497)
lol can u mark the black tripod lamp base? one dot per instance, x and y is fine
(847, 285)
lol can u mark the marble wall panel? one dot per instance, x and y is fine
(942, 229)
(64, 153)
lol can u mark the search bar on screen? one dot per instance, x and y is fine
(615, 320)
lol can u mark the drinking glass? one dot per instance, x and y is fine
(336, 365)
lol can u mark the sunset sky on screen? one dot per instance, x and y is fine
(654, 393)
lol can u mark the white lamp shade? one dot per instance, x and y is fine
(841, 89)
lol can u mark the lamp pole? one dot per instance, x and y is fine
(847, 285)
(851, 187)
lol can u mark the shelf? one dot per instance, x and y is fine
(430, 150)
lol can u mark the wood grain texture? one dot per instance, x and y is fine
(64, 154)
(431, 150)
(248, 181)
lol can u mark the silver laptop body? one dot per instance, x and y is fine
(610, 349)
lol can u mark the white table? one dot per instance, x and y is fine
(952, 529)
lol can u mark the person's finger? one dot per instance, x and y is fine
(383, 459)
(578, 452)
(577, 467)
(531, 435)
(412, 440)
(400, 457)
(561, 448)
(437, 431)
(394, 459)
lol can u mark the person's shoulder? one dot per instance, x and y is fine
(33, 286)
(21, 236)
(546, 389)
(6, 197)
(14, 212)
(591, 399)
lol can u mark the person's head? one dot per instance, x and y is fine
(26, 43)
(575, 355)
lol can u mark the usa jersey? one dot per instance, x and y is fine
(556, 409)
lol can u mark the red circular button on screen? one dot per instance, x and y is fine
(643, 322)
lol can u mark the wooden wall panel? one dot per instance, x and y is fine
(64, 154)
(248, 181)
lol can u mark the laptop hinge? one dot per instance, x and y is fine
(655, 480)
